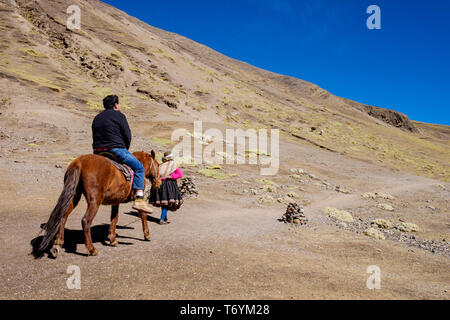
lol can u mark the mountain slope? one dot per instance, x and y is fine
(164, 76)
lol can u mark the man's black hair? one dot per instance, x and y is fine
(110, 101)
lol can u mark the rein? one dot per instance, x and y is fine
(151, 166)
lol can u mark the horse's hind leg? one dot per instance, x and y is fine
(143, 216)
(112, 227)
(86, 223)
(59, 240)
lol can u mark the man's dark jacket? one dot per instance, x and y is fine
(110, 130)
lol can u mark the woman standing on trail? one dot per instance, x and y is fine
(168, 196)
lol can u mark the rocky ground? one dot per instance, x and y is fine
(366, 192)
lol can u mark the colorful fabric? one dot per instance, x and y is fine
(167, 195)
(166, 169)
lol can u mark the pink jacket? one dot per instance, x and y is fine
(177, 174)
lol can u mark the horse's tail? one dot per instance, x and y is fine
(71, 180)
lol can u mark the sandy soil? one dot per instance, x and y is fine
(223, 245)
(227, 243)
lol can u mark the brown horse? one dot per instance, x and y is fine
(100, 182)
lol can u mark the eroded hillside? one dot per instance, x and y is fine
(161, 75)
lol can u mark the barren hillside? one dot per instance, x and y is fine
(372, 162)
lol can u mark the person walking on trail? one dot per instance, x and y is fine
(111, 133)
(167, 196)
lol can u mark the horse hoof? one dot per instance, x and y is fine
(146, 237)
(113, 243)
(93, 252)
(54, 252)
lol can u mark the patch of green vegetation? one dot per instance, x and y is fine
(33, 53)
(169, 58)
(53, 87)
(212, 173)
(116, 55)
(136, 69)
(161, 141)
(94, 105)
(257, 152)
(265, 181)
(199, 107)
(35, 79)
(103, 92)
(214, 167)
(5, 99)
(125, 102)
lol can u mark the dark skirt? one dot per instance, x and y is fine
(167, 195)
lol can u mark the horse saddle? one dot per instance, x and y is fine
(128, 173)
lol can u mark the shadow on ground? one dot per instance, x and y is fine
(99, 234)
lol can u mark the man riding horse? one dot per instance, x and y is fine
(111, 133)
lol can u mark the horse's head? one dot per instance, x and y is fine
(151, 167)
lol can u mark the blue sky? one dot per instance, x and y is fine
(404, 66)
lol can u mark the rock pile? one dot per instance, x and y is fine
(294, 214)
(188, 188)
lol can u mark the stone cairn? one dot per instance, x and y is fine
(188, 188)
(294, 214)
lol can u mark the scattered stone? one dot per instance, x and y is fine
(297, 171)
(431, 207)
(285, 200)
(295, 176)
(385, 206)
(407, 227)
(337, 214)
(294, 214)
(376, 195)
(266, 199)
(188, 188)
(342, 190)
(292, 194)
(385, 196)
(253, 192)
(374, 233)
(382, 223)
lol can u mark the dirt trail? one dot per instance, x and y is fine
(213, 249)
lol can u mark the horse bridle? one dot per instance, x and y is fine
(151, 166)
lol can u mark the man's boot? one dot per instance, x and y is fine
(141, 205)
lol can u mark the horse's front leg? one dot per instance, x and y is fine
(143, 216)
(112, 227)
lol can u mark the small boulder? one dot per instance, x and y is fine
(297, 171)
(385, 206)
(385, 196)
(382, 223)
(285, 200)
(374, 233)
(342, 190)
(377, 195)
(337, 214)
(267, 199)
(407, 227)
